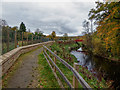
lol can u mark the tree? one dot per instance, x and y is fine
(86, 26)
(53, 35)
(38, 32)
(14, 28)
(65, 36)
(107, 18)
(88, 35)
(22, 27)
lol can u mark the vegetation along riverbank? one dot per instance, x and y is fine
(63, 49)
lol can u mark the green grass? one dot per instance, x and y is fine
(91, 80)
(46, 77)
(64, 53)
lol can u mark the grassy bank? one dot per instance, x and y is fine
(63, 51)
(46, 77)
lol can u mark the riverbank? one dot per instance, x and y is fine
(63, 50)
(117, 59)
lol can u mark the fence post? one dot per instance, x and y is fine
(32, 38)
(7, 40)
(27, 39)
(55, 61)
(38, 40)
(22, 38)
(75, 81)
(15, 39)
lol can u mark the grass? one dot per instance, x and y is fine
(46, 77)
(91, 80)
(63, 50)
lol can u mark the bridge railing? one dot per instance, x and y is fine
(75, 73)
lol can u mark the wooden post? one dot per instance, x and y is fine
(35, 39)
(32, 38)
(7, 40)
(22, 38)
(27, 38)
(75, 81)
(55, 61)
(15, 39)
(38, 40)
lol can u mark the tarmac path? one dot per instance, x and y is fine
(25, 76)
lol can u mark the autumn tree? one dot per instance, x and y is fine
(14, 28)
(53, 35)
(107, 19)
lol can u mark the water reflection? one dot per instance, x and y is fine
(100, 67)
(83, 59)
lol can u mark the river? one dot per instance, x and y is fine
(100, 67)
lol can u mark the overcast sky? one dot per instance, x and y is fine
(59, 16)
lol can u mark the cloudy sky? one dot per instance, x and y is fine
(60, 16)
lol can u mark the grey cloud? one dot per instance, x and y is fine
(60, 17)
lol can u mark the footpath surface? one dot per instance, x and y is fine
(25, 76)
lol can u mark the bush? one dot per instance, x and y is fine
(98, 47)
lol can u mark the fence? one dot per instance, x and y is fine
(12, 39)
(76, 76)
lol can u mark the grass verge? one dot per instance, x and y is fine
(46, 76)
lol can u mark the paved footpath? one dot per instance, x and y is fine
(26, 75)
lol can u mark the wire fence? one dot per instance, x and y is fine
(12, 39)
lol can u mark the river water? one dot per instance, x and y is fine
(100, 67)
